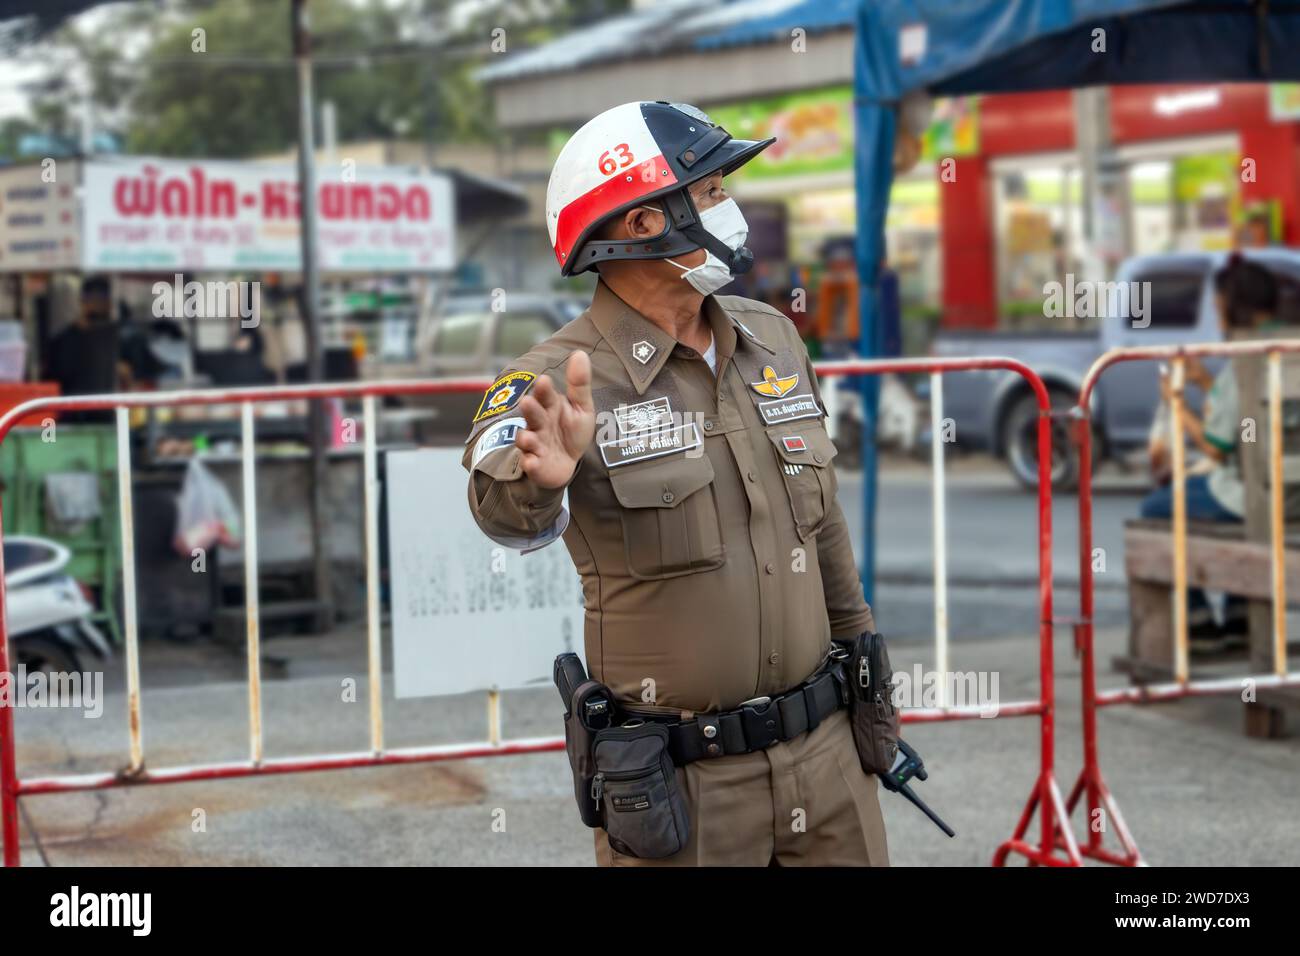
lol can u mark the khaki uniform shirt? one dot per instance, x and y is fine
(715, 560)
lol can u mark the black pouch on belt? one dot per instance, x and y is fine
(871, 710)
(588, 709)
(636, 785)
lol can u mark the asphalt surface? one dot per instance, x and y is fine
(992, 544)
(1192, 789)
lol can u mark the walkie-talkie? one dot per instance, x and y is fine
(596, 707)
(907, 765)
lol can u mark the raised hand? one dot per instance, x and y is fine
(560, 427)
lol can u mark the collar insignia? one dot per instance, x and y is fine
(643, 351)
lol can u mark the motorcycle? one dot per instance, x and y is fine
(47, 611)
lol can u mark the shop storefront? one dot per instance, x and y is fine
(1196, 165)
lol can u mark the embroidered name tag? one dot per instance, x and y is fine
(499, 435)
(643, 416)
(651, 444)
(789, 409)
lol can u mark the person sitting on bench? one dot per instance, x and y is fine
(1246, 296)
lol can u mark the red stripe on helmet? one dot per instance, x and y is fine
(593, 205)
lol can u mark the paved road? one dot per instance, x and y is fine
(992, 547)
(1190, 787)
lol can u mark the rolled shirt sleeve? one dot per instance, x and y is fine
(507, 505)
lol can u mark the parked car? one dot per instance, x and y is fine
(995, 410)
(475, 335)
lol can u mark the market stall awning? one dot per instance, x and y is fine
(1014, 45)
(483, 198)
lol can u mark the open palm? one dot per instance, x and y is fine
(560, 427)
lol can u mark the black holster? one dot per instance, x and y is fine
(624, 778)
(588, 709)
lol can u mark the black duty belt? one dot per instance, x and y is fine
(757, 724)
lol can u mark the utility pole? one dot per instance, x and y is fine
(1107, 214)
(310, 303)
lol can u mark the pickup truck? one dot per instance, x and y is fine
(996, 411)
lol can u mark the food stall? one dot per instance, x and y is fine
(201, 262)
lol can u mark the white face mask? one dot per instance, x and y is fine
(727, 223)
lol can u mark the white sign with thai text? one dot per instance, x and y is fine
(467, 613)
(159, 215)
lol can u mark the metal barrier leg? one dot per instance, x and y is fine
(252, 599)
(130, 617)
(1100, 805)
(374, 652)
(8, 764)
(1045, 798)
(939, 520)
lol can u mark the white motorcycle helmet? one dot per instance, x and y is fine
(630, 155)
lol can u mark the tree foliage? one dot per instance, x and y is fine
(216, 78)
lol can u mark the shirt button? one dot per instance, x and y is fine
(817, 458)
(774, 659)
(708, 426)
(752, 477)
(669, 497)
(770, 568)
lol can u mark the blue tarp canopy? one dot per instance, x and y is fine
(775, 21)
(947, 47)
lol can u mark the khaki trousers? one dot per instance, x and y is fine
(801, 803)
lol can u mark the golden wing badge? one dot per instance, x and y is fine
(773, 385)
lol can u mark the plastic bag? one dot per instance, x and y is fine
(205, 512)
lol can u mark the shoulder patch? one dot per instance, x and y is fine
(503, 394)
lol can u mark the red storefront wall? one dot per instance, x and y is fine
(1013, 124)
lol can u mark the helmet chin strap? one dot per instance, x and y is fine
(739, 261)
(686, 220)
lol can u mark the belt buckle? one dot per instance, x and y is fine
(758, 717)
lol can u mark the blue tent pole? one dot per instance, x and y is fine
(873, 167)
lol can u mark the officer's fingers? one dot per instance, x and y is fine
(534, 414)
(528, 442)
(529, 463)
(545, 393)
(578, 375)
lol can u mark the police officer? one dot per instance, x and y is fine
(675, 439)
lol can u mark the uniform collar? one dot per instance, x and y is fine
(740, 330)
(644, 347)
(640, 345)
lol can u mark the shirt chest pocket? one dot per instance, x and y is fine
(805, 454)
(669, 513)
